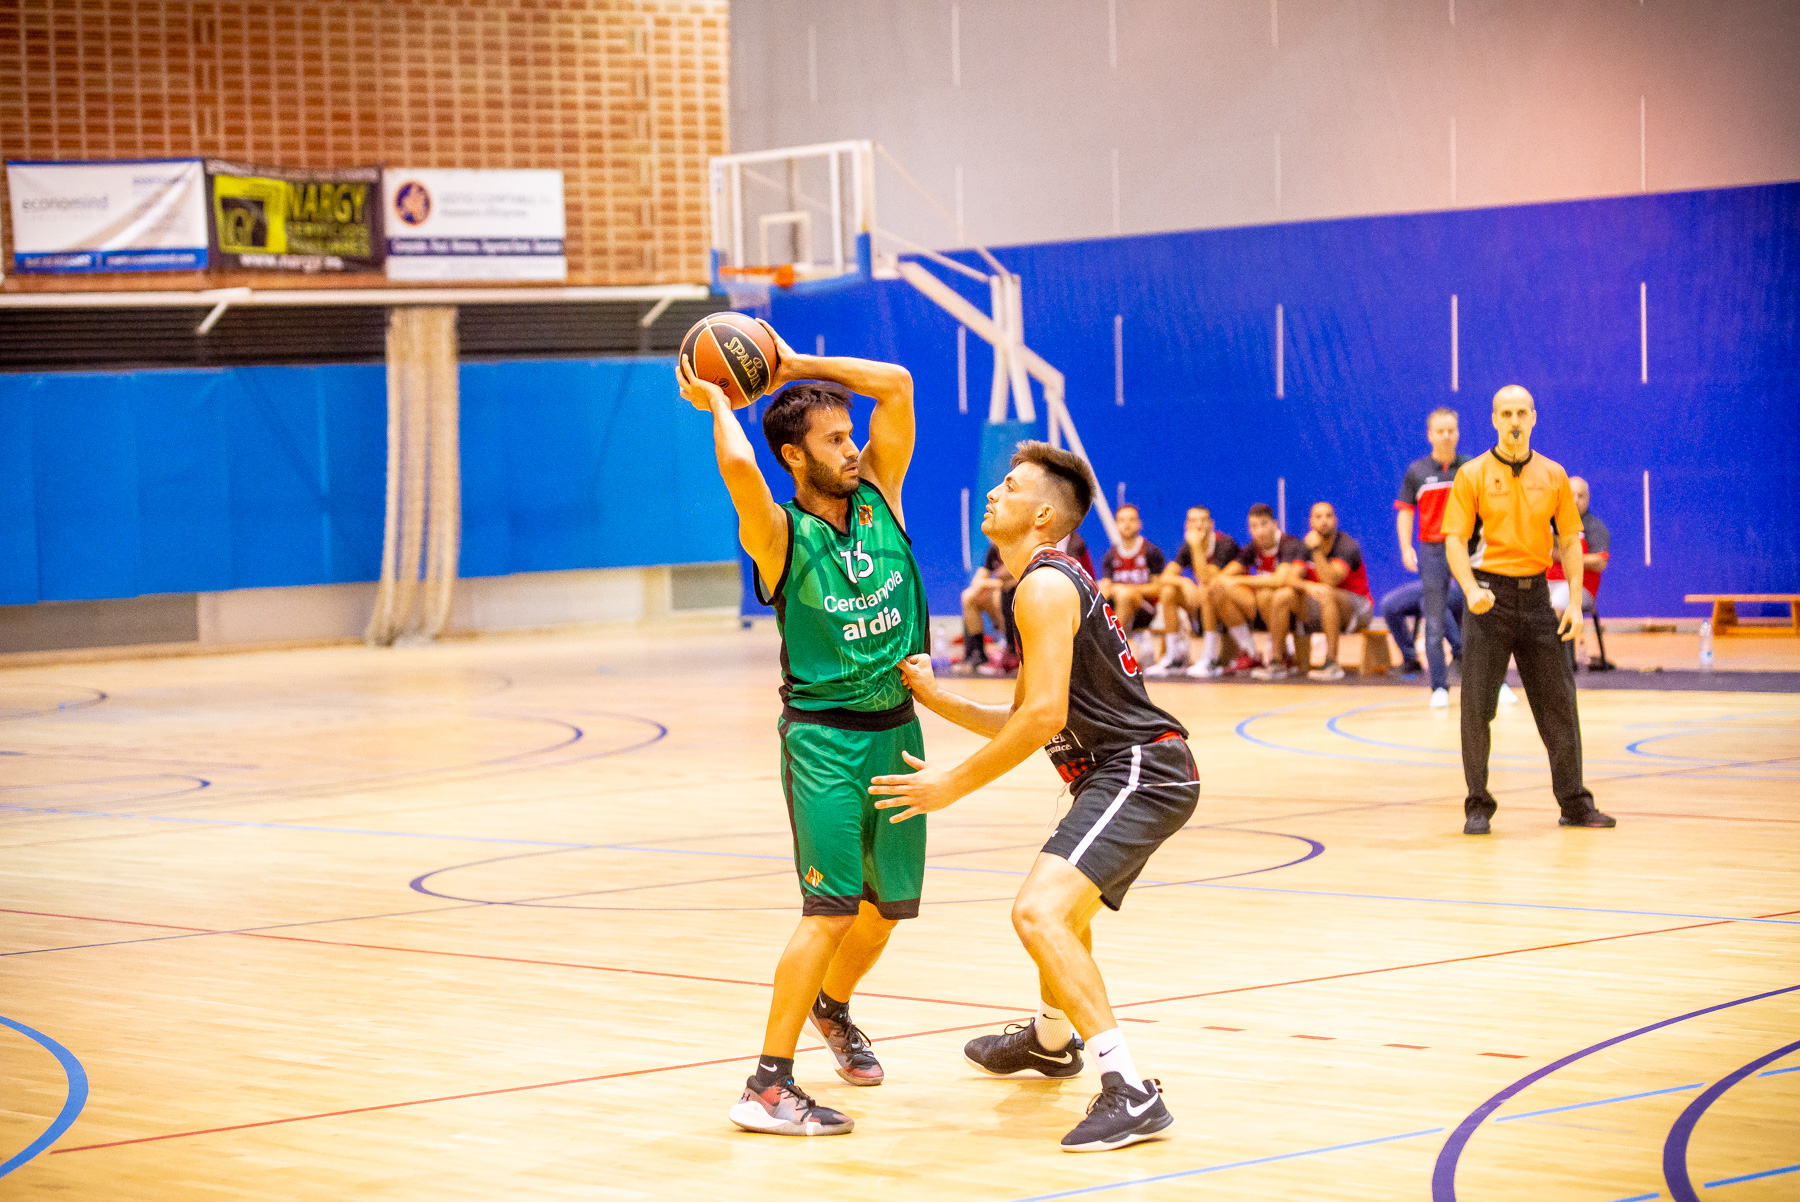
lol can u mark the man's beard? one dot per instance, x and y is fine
(824, 480)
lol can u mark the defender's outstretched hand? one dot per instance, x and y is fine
(701, 394)
(922, 791)
(916, 674)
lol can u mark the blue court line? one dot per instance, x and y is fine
(1639, 1197)
(1792, 1168)
(73, 1101)
(1675, 1148)
(1443, 1173)
(285, 826)
(1630, 1097)
(1459, 901)
(1776, 1072)
(1236, 1164)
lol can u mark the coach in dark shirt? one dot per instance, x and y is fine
(1424, 491)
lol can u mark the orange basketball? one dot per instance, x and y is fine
(733, 351)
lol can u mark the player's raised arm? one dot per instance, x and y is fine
(888, 452)
(1047, 608)
(762, 525)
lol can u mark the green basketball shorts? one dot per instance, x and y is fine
(846, 850)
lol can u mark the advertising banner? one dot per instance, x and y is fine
(288, 219)
(140, 215)
(474, 225)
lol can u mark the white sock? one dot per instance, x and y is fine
(1240, 634)
(1114, 1057)
(1054, 1030)
(1211, 643)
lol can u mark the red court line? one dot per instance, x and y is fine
(642, 972)
(638, 1072)
(124, 922)
(479, 1093)
(1366, 972)
(427, 951)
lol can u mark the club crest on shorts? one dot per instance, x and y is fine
(814, 877)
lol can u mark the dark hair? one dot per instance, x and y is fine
(1442, 411)
(1070, 473)
(789, 416)
(1260, 510)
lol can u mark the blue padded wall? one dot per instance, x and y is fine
(124, 483)
(119, 484)
(597, 463)
(1547, 296)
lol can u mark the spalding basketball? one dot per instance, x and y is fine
(733, 351)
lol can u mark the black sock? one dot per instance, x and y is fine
(771, 1070)
(829, 1007)
(974, 648)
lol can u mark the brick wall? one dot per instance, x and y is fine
(627, 97)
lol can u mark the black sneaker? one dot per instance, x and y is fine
(1477, 824)
(1593, 818)
(848, 1046)
(1120, 1115)
(1017, 1050)
(786, 1109)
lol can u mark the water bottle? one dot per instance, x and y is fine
(1706, 646)
(940, 649)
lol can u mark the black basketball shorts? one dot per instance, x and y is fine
(1124, 810)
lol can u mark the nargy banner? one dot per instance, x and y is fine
(288, 219)
(474, 225)
(142, 215)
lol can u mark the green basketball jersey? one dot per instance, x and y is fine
(850, 606)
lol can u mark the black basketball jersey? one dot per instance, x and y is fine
(1109, 711)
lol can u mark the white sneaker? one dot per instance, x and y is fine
(1170, 664)
(1440, 699)
(1275, 671)
(1507, 696)
(1206, 671)
(1331, 671)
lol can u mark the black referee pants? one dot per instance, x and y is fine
(1520, 626)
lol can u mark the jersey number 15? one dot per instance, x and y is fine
(857, 564)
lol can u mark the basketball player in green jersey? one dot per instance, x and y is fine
(837, 565)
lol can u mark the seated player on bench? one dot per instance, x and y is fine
(1261, 582)
(1596, 554)
(1205, 550)
(1335, 597)
(1128, 572)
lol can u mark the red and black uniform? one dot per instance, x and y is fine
(1125, 759)
(1140, 568)
(1225, 549)
(1256, 561)
(1347, 551)
(1426, 488)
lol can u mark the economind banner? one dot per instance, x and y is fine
(135, 215)
(474, 225)
(289, 219)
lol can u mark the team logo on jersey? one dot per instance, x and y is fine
(865, 515)
(814, 877)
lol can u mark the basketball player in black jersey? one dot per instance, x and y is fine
(1081, 697)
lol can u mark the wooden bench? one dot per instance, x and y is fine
(1724, 611)
(1375, 658)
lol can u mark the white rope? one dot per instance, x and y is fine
(423, 525)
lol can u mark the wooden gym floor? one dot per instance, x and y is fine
(496, 919)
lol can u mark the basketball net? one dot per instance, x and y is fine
(423, 533)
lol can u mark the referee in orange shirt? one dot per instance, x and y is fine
(1514, 493)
